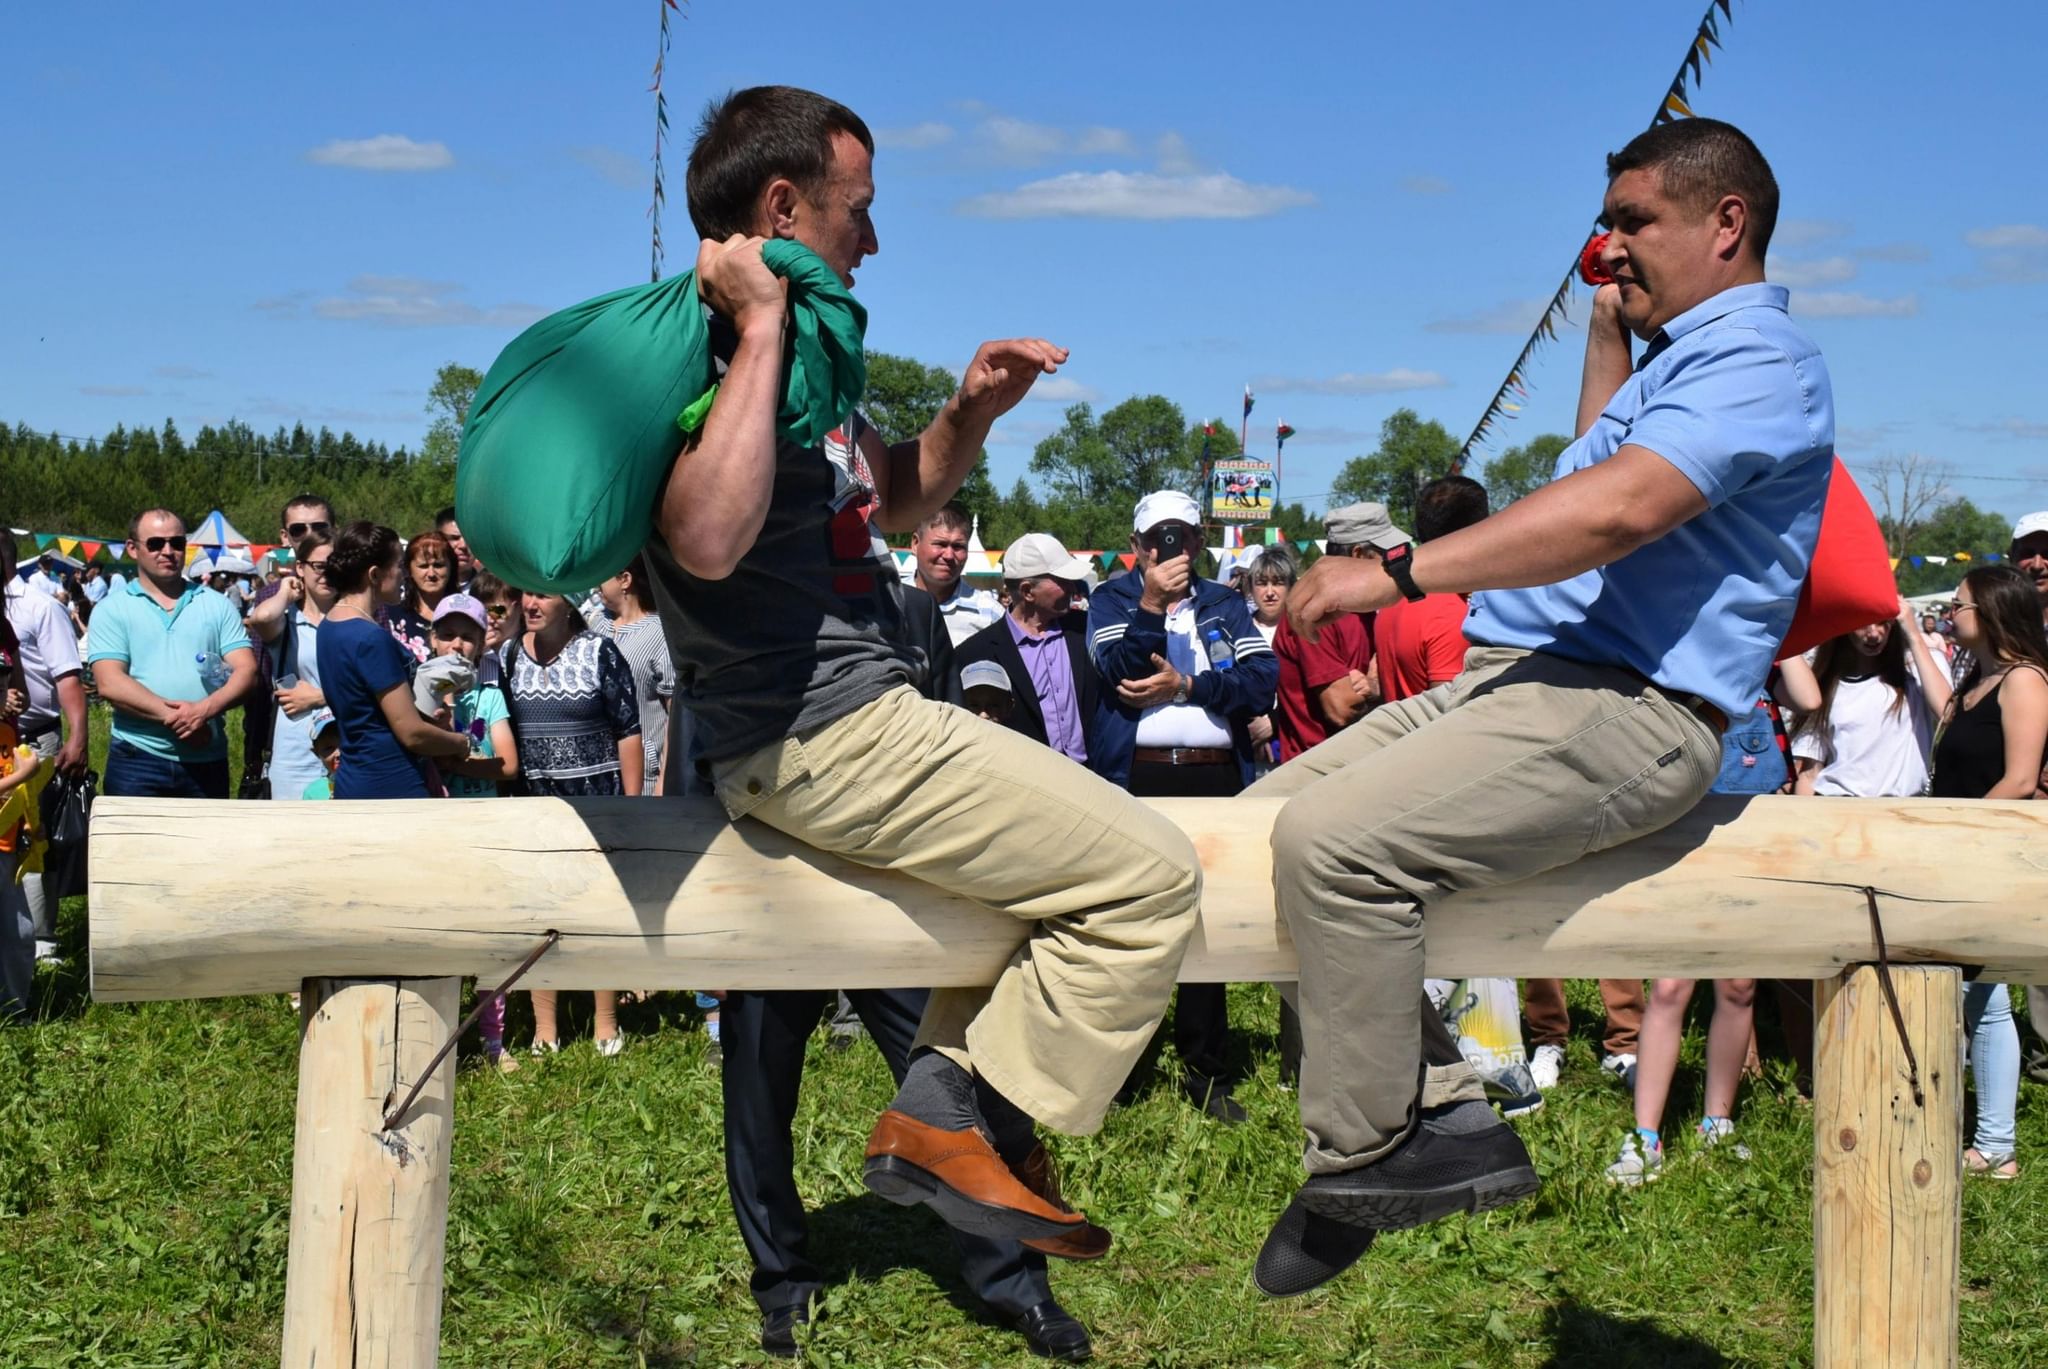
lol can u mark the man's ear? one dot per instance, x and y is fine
(778, 207)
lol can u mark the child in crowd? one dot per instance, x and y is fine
(460, 627)
(327, 750)
(18, 766)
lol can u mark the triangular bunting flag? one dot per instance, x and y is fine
(1895, 563)
(1962, 556)
(68, 545)
(1128, 559)
(1322, 544)
(1917, 560)
(1677, 106)
(1272, 537)
(89, 548)
(1993, 556)
(1932, 560)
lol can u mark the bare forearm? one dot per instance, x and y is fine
(927, 471)
(717, 495)
(71, 703)
(1609, 359)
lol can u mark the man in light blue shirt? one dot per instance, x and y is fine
(1619, 615)
(171, 656)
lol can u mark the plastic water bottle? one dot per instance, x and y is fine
(213, 671)
(1221, 655)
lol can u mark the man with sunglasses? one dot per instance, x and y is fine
(154, 646)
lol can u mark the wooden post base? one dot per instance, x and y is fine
(369, 1207)
(1887, 1180)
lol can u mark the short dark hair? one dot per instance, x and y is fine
(753, 136)
(445, 517)
(1701, 160)
(639, 586)
(304, 500)
(362, 548)
(1445, 505)
(135, 523)
(487, 587)
(951, 514)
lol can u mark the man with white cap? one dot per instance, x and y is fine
(1325, 685)
(2029, 552)
(1042, 653)
(1189, 671)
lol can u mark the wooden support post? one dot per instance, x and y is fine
(369, 1207)
(1887, 1181)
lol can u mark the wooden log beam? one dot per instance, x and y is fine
(369, 1206)
(195, 899)
(1887, 1176)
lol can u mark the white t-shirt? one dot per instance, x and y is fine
(967, 611)
(1172, 724)
(1866, 750)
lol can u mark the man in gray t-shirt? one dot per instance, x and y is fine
(785, 614)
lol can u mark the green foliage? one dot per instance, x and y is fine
(448, 402)
(1957, 525)
(1518, 470)
(1412, 452)
(903, 397)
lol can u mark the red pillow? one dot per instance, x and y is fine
(1850, 584)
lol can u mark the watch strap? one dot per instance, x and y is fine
(1400, 566)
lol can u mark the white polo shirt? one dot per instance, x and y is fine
(1172, 724)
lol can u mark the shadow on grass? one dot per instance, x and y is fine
(1583, 1338)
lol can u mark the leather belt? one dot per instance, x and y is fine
(1183, 755)
(1697, 706)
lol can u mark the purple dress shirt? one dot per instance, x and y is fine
(1052, 675)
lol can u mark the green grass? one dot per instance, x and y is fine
(145, 1180)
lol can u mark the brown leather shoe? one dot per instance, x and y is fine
(1089, 1242)
(960, 1177)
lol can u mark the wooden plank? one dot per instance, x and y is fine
(369, 1207)
(1887, 1181)
(195, 899)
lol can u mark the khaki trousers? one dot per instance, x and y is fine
(1523, 763)
(1109, 888)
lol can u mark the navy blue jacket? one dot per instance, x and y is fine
(1122, 639)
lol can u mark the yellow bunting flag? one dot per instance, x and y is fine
(1677, 106)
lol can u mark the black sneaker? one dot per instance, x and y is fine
(1427, 1177)
(1306, 1251)
(778, 1329)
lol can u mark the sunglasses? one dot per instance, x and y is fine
(159, 543)
(497, 610)
(301, 529)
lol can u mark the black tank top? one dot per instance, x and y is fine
(1970, 756)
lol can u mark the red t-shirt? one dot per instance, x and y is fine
(1339, 649)
(1420, 644)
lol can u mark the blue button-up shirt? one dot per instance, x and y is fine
(1052, 675)
(1736, 396)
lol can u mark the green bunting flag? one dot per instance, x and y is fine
(1674, 103)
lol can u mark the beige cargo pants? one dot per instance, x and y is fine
(1109, 888)
(1523, 763)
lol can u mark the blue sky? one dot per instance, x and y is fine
(296, 213)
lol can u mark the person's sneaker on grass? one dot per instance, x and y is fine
(1621, 1069)
(1545, 1066)
(1719, 1131)
(1640, 1161)
(1457, 1158)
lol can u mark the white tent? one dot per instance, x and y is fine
(214, 530)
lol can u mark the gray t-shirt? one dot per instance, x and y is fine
(808, 627)
(645, 648)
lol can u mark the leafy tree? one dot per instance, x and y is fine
(1957, 525)
(1412, 452)
(448, 400)
(1518, 470)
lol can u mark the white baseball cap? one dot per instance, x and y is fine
(984, 675)
(2029, 525)
(1166, 506)
(1040, 553)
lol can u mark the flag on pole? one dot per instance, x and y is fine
(1281, 434)
(1247, 401)
(1208, 431)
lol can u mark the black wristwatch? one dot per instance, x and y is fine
(1401, 570)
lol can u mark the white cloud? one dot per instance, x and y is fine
(406, 302)
(1843, 304)
(1822, 271)
(1018, 142)
(385, 152)
(2008, 235)
(1063, 390)
(182, 373)
(1514, 316)
(2024, 429)
(1353, 383)
(915, 138)
(1807, 232)
(615, 166)
(1136, 195)
(112, 391)
(1174, 157)
(1425, 185)
(283, 306)
(1894, 251)
(1099, 141)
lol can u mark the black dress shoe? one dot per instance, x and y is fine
(1429, 1175)
(778, 1329)
(1216, 1102)
(1050, 1332)
(1305, 1251)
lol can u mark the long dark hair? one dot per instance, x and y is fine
(2009, 617)
(1838, 658)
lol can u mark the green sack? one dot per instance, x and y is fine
(573, 431)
